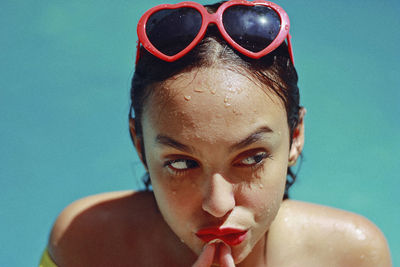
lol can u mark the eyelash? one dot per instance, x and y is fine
(264, 155)
(180, 171)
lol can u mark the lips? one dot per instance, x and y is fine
(230, 236)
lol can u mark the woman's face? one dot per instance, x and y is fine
(217, 149)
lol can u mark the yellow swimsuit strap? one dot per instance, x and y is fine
(46, 261)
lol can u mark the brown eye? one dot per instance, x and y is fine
(255, 159)
(182, 164)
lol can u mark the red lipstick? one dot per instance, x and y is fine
(230, 236)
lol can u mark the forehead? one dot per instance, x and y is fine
(212, 103)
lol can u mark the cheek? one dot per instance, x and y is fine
(175, 195)
(172, 210)
(178, 203)
(265, 193)
(264, 202)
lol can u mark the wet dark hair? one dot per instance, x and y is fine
(274, 70)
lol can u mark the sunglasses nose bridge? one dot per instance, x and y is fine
(212, 19)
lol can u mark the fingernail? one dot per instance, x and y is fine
(214, 241)
(207, 246)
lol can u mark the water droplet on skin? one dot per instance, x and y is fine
(360, 234)
(227, 104)
(213, 91)
(182, 241)
(261, 186)
(174, 193)
(187, 97)
(286, 219)
(226, 99)
(198, 90)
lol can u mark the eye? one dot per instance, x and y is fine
(181, 164)
(254, 159)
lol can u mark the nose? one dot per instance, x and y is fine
(218, 197)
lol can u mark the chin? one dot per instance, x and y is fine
(241, 254)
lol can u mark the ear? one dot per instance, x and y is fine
(136, 140)
(298, 139)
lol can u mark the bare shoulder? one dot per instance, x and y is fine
(103, 224)
(329, 235)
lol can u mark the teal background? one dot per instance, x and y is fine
(64, 97)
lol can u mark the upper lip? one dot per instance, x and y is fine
(219, 231)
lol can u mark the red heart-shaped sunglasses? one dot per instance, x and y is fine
(170, 31)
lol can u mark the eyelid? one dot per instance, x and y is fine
(179, 158)
(172, 157)
(250, 153)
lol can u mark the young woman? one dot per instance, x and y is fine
(217, 124)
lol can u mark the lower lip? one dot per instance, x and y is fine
(230, 239)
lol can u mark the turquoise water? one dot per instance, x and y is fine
(64, 89)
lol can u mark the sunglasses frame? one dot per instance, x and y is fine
(215, 18)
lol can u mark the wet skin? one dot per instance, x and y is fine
(217, 150)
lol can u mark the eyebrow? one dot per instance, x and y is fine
(168, 141)
(252, 138)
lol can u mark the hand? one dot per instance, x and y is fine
(225, 256)
(207, 256)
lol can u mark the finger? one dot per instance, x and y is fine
(206, 257)
(225, 258)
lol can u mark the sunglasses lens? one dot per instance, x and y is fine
(252, 27)
(172, 30)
